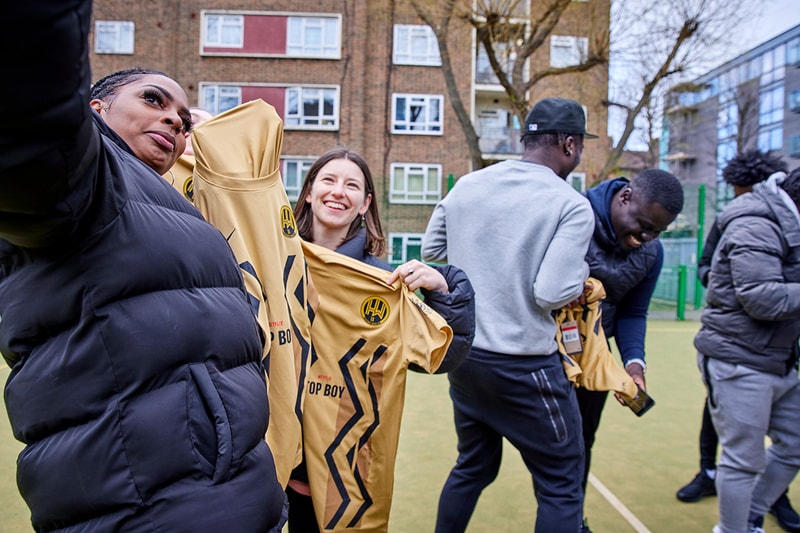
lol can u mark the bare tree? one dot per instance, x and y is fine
(656, 43)
(510, 36)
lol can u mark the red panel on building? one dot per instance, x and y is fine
(274, 96)
(264, 34)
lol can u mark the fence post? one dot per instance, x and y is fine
(450, 182)
(701, 224)
(681, 311)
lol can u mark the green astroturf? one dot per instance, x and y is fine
(642, 461)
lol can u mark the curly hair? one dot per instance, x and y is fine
(751, 167)
(792, 185)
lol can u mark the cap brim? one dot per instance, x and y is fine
(590, 136)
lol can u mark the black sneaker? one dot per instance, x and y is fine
(787, 517)
(700, 487)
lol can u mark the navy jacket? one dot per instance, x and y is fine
(629, 277)
(136, 382)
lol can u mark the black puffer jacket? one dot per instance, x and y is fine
(752, 316)
(136, 382)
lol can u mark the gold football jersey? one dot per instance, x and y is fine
(365, 335)
(238, 188)
(180, 176)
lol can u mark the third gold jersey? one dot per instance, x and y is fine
(365, 335)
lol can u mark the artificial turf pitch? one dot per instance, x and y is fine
(638, 463)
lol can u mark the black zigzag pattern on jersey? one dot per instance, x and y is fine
(351, 455)
(373, 395)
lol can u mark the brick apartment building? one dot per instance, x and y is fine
(752, 101)
(364, 74)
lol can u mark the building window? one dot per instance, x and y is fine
(567, 51)
(417, 114)
(313, 37)
(794, 146)
(294, 173)
(224, 31)
(113, 37)
(770, 119)
(793, 52)
(728, 117)
(773, 65)
(578, 181)
(794, 101)
(314, 107)
(404, 247)
(412, 183)
(415, 45)
(219, 98)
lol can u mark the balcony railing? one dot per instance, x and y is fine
(500, 141)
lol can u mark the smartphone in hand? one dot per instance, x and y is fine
(641, 403)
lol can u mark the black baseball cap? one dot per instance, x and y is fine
(557, 115)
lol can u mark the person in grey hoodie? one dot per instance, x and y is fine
(747, 349)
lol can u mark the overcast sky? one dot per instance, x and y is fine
(775, 17)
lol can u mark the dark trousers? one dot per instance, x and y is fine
(530, 402)
(708, 441)
(301, 513)
(591, 405)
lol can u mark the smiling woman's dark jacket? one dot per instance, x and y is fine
(136, 381)
(629, 276)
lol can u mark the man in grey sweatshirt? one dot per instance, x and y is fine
(521, 233)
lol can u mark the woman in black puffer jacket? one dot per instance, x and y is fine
(136, 381)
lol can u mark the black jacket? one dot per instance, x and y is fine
(136, 381)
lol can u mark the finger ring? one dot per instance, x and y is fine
(410, 271)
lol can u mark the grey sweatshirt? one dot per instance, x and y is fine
(520, 233)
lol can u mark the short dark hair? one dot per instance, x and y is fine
(543, 140)
(751, 167)
(661, 187)
(108, 86)
(792, 185)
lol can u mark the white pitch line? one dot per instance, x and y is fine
(618, 505)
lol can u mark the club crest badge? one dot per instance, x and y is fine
(375, 310)
(288, 225)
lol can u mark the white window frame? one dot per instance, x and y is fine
(579, 179)
(223, 22)
(302, 164)
(121, 33)
(295, 117)
(399, 190)
(212, 93)
(429, 123)
(300, 31)
(407, 240)
(415, 44)
(568, 50)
